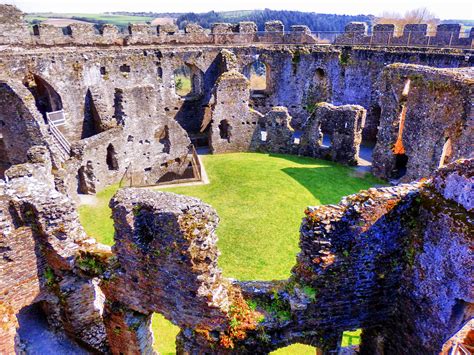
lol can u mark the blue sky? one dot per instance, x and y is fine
(444, 9)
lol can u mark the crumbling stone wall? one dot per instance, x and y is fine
(97, 85)
(233, 124)
(97, 117)
(383, 240)
(435, 300)
(423, 110)
(145, 144)
(362, 237)
(349, 73)
(275, 134)
(40, 244)
(19, 126)
(13, 28)
(342, 124)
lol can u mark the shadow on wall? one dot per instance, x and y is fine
(323, 183)
(35, 334)
(191, 113)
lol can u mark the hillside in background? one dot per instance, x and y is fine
(99, 19)
(316, 22)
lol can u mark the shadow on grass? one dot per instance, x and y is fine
(303, 160)
(326, 181)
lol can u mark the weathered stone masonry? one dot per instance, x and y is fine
(396, 261)
(110, 79)
(426, 118)
(165, 260)
(343, 124)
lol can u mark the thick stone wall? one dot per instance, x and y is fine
(40, 240)
(233, 124)
(145, 144)
(337, 74)
(404, 252)
(15, 31)
(275, 133)
(435, 300)
(96, 84)
(356, 33)
(343, 124)
(20, 125)
(371, 237)
(425, 111)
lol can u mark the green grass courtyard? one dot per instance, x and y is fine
(260, 199)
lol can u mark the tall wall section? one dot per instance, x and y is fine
(394, 261)
(112, 87)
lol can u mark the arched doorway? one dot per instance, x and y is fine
(188, 81)
(258, 74)
(46, 97)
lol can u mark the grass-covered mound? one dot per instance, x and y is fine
(260, 199)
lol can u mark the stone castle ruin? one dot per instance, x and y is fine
(83, 108)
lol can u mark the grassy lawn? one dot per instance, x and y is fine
(182, 85)
(260, 199)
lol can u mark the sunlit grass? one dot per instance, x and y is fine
(182, 85)
(260, 199)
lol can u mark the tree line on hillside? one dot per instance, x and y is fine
(316, 22)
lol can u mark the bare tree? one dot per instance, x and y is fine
(415, 16)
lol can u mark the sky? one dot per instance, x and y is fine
(444, 9)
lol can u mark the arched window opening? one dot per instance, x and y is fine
(326, 135)
(46, 98)
(165, 334)
(111, 159)
(401, 159)
(401, 162)
(91, 124)
(224, 130)
(376, 114)
(320, 74)
(369, 135)
(257, 73)
(188, 81)
(118, 106)
(326, 140)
